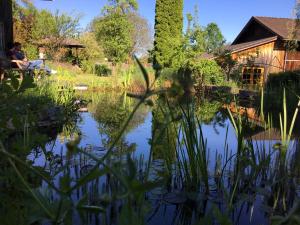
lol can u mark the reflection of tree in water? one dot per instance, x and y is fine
(209, 112)
(17, 204)
(111, 112)
(164, 131)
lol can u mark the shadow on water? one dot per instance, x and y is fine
(181, 160)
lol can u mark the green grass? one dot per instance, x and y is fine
(93, 81)
(123, 79)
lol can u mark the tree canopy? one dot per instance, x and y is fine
(168, 31)
(214, 39)
(113, 33)
(121, 31)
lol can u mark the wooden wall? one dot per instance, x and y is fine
(292, 61)
(277, 61)
(6, 23)
(261, 56)
(273, 60)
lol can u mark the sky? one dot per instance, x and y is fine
(230, 15)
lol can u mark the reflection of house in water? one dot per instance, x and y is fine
(262, 47)
(258, 132)
(270, 134)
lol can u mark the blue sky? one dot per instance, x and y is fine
(230, 15)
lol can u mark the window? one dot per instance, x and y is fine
(253, 75)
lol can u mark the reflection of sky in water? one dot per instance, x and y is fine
(214, 134)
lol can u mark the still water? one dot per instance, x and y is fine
(243, 186)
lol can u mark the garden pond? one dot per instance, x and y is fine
(184, 160)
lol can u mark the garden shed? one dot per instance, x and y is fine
(267, 45)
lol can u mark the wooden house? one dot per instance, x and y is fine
(6, 25)
(262, 48)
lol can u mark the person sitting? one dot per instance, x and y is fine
(19, 57)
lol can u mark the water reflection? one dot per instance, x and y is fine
(178, 162)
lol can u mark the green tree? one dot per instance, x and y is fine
(121, 6)
(92, 50)
(45, 20)
(168, 31)
(214, 39)
(226, 62)
(113, 33)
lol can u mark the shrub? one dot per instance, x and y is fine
(102, 70)
(87, 66)
(31, 51)
(203, 72)
(167, 74)
(289, 78)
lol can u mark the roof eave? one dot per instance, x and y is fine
(255, 45)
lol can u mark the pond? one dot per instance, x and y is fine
(177, 161)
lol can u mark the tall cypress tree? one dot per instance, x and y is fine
(168, 31)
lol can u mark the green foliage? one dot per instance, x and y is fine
(102, 70)
(65, 25)
(92, 50)
(113, 33)
(214, 39)
(284, 79)
(44, 26)
(199, 40)
(121, 6)
(203, 72)
(33, 26)
(168, 32)
(87, 66)
(226, 62)
(31, 51)
(207, 110)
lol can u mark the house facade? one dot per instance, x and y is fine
(264, 47)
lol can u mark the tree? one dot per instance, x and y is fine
(294, 28)
(113, 33)
(45, 19)
(168, 31)
(120, 6)
(141, 35)
(92, 50)
(226, 62)
(213, 38)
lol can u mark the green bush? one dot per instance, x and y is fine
(31, 51)
(167, 74)
(102, 70)
(284, 79)
(203, 72)
(87, 66)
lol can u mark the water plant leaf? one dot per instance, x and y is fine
(221, 218)
(144, 72)
(92, 208)
(92, 175)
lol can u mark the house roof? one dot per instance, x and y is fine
(281, 27)
(250, 44)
